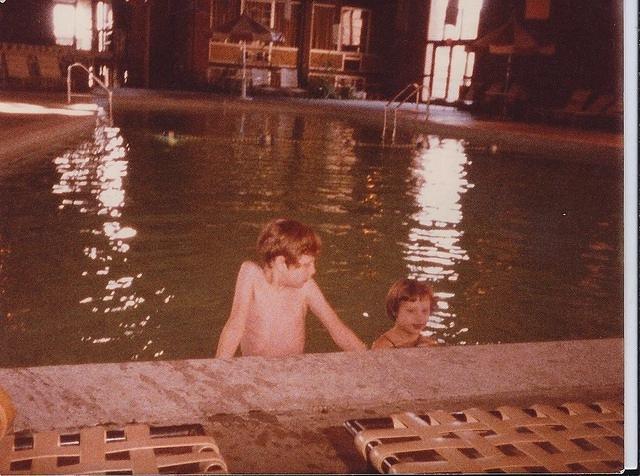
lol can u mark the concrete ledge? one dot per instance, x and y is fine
(39, 134)
(195, 390)
(23, 135)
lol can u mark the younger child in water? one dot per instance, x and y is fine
(408, 303)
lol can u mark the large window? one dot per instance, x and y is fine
(222, 11)
(354, 25)
(64, 23)
(347, 32)
(260, 11)
(462, 23)
(270, 13)
(323, 37)
(72, 24)
(448, 66)
(287, 26)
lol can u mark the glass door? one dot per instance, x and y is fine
(452, 24)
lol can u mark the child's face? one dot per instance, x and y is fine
(298, 274)
(412, 315)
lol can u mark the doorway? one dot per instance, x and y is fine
(448, 67)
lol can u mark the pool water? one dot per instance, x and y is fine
(126, 246)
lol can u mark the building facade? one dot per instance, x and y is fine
(39, 40)
(375, 46)
(344, 44)
(350, 47)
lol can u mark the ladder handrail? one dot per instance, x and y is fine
(415, 88)
(395, 98)
(97, 80)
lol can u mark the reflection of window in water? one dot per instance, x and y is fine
(104, 25)
(433, 249)
(91, 183)
(336, 182)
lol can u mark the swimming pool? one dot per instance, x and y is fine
(126, 246)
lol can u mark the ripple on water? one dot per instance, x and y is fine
(125, 248)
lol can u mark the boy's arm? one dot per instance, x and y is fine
(340, 333)
(234, 328)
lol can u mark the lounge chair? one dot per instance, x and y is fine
(573, 437)
(486, 99)
(7, 413)
(594, 110)
(134, 449)
(505, 103)
(576, 103)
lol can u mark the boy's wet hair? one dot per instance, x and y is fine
(288, 238)
(403, 290)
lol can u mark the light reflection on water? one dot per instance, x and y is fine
(433, 246)
(151, 233)
(91, 181)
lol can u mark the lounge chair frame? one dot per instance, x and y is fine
(134, 449)
(573, 437)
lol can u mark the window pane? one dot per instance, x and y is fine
(288, 28)
(428, 60)
(364, 35)
(471, 58)
(436, 19)
(259, 11)
(83, 26)
(470, 13)
(467, 20)
(456, 73)
(354, 26)
(323, 28)
(425, 94)
(447, 78)
(223, 11)
(64, 23)
(440, 72)
(104, 25)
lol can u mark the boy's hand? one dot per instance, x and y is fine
(340, 333)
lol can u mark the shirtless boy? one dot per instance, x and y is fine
(271, 299)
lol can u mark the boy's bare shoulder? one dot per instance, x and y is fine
(250, 267)
(250, 272)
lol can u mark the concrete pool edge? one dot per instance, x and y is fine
(40, 134)
(173, 392)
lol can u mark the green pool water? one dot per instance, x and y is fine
(125, 246)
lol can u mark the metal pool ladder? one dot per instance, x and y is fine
(413, 89)
(94, 78)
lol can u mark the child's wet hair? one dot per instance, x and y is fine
(288, 238)
(403, 290)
